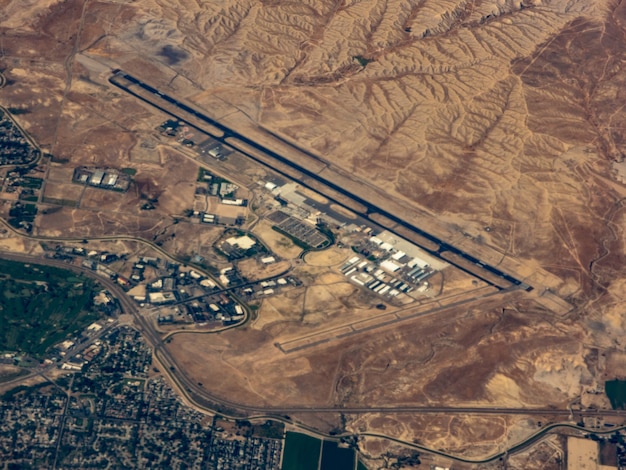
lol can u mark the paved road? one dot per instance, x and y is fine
(371, 208)
(203, 399)
(233, 288)
(200, 395)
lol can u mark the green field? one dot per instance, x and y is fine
(41, 306)
(302, 452)
(616, 391)
(336, 458)
(270, 429)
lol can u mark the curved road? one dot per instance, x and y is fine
(202, 398)
(212, 403)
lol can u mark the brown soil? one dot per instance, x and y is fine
(493, 124)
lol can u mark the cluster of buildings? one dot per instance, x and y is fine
(184, 135)
(219, 308)
(221, 188)
(76, 352)
(103, 178)
(112, 414)
(22, 186)
(195, 295)
(301, 207)
(15, 148)
(22, 179)
(253, 453)
(269, 287)
(197, 298)
(225, 193)
(98, 261)
(178, 130)
(179, 294)
(391, 266)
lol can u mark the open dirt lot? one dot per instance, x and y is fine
(277, 242)
(327, 258)
(494, 356)
(63, 192)
(60, 174)
(253, 269)
(582, 454)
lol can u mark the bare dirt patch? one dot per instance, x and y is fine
(277, 242)
(254, 269)
(60, 174)
(63, 192)
(330, 257)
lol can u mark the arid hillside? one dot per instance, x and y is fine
(499, 114)
(497, 125)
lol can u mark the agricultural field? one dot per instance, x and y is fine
(40, 306)
(302, 452)
(616, 391)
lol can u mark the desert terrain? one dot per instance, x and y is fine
(497, 125)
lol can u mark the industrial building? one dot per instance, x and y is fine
(103, 178)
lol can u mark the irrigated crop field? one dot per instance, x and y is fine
(40, 306)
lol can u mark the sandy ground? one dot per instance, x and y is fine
(65, 192)
(582, 454)
(253, 269)
(277, 243)
(331, 257)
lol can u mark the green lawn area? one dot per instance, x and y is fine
(337, 458)
(270, 429)
(41, 306)
(616, 391)
(302, 452)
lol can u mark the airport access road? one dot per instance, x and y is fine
(201, 399)
(371, 207)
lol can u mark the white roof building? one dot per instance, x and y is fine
(398, 255)
(111, 180)
(232, 202)
(417, 262)
(390, 266)
(244, 242)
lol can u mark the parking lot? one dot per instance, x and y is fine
(302, 231)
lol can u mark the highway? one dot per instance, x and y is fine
(200, 395)
(201, 398)
(371, 208)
